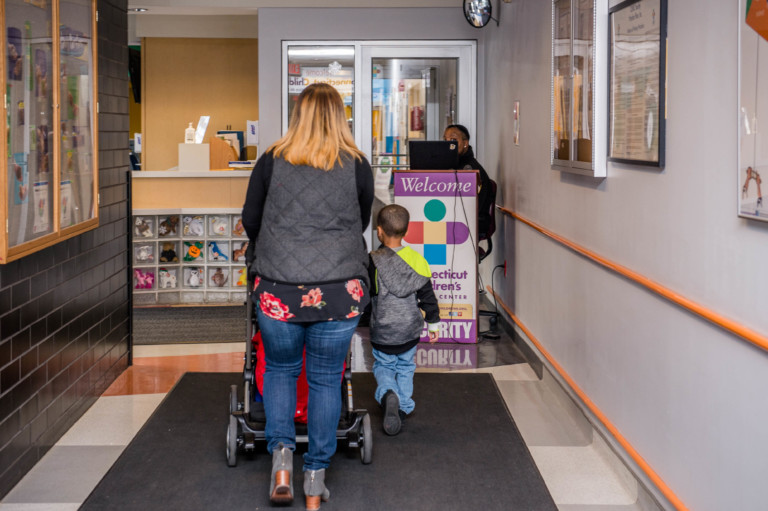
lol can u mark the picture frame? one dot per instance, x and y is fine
(637, 64)
(753, 142)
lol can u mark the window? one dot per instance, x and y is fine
(334, 65)
(579, 86)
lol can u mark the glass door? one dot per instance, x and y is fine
(412, 91)
(412, 99)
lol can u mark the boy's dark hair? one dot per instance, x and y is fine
(461, 128)
(393, 220)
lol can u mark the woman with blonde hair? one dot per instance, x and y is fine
(308, 201)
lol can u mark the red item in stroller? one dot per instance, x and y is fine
(302, 388)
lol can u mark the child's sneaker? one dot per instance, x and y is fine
(392, 422)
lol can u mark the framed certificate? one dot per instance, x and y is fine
(637, 82)
(753, 77)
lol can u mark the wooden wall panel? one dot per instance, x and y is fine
(172, 192)
(183, 79)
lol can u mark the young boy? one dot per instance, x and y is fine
(401, 285)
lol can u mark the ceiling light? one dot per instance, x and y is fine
(325, 52)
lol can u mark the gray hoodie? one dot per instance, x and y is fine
(401, 286)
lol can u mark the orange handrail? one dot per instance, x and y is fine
(660, 484)
(742, 331)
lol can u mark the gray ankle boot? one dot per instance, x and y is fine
(314, 489)
(281, 482)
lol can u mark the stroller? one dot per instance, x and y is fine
(247, 420)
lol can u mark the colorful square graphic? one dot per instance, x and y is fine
(415, 234)
(435, 254)
(434, 233)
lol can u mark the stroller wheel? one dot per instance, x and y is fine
(366, 441)
(232, 399)
(232, 441)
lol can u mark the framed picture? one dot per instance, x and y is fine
(637, 82)
(753, 77)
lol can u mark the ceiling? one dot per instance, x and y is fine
(244, 7)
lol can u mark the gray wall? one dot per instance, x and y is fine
(277, 25)
(686, 394)
(65, 311)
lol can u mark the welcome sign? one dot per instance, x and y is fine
(443, 228)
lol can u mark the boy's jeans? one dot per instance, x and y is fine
(395, 372)
(326, 345)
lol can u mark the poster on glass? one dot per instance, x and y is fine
(753, 78)
(637, 82)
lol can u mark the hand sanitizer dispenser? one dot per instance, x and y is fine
(189, 135)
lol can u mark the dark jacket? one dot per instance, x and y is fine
(484, 196)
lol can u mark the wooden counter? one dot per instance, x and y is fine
(174, 189)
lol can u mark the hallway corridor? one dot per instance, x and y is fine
(577, 466)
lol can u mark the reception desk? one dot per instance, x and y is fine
(443, 228)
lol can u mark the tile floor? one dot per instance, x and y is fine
(581, 472)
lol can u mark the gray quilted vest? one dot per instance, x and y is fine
(311, 231)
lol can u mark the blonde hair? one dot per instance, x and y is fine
(318, 133)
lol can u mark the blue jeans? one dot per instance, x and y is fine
(326, 344)
(395, 372)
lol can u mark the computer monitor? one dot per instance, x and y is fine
(433, 154)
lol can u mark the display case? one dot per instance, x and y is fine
(188, 256)
(50, 171)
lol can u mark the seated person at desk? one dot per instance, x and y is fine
(459, 134)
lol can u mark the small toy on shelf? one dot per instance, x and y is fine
(167, 278)
(239, 253)
(194, 278)
(242, 278)
(216, 253)
(167, 227)
(142, 228)
(144, 280)
(218, 225)
(168, 255)
(193, 225)
(219, 278)
(144, 253)
(238, 229)
(193, 250)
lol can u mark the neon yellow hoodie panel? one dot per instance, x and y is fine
(415, 261)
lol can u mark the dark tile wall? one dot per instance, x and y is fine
(65, 311)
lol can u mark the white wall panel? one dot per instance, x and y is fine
(686, 394)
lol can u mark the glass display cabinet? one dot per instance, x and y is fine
(579, 87)
(50, 168)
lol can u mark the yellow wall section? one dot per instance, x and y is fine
(185, 78)
(134, 115)
(184, 192)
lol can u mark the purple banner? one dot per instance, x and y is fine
(435, 184)
(454, 331)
